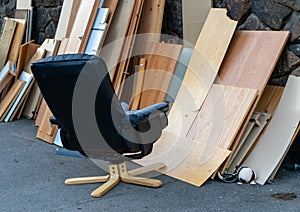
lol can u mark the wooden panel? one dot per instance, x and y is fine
(161, 64)
(17, 40)
(10, 98)
(66, 19)
(6, 39)
(6, 75)
(182, 158)
(206, 59)
(82, 26)
(239, 69)
(46, 131)
(279, 133)
(151, 22)
(194, 14)
(27, 51)
(23, 4)
(41, 113)
(117, 32)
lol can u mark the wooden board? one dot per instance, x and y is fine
(27, 51)
(161, 64)
(6, 75)
(138, 89)
(66, 18)
(279, 133)
(151, 24)
(23, 4)
(6, 39)
(116, 33)
(196, 157)
(239, 69)
(204, 64)
(10, 98)
(182, 158)
(194, 14)
(41, 113)
(17, 40)
(46, 131)
(82, 26)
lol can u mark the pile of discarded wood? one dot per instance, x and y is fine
(224, 114)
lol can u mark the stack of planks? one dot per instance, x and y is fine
(223, 116)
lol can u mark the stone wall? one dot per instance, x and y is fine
(45, 16)
(271, 15)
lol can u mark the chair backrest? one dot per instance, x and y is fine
(57, 77)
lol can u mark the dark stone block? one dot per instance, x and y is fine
(295, 48)
(237, 8)
(253, 23)
(41, 18)
(270, 12)
(219, 3)
(294, 4)
(293, 26)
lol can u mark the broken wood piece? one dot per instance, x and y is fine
(6, 75)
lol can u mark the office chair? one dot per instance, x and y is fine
(67, 82)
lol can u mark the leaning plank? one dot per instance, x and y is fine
(6, 75)
(6, 39)
(17, 40)
(23, 4)
(249, 63)
(196, 157)
(41, 112)
(182, 158)
(194, 13)
(117, 31)
(206, 59)
(161, 64)
(279, 133)
(10, 98)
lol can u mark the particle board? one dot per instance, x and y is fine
(194, 14)
(17, 40)
(278, 134)
(161, 64)
(239, 69)
(6, 39)
(204, 64)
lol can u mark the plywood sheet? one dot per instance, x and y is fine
(204, 64)
(279, 133)
(194, 14)
(6, 39)
(249, 63)
(161, 64)
(17, 40)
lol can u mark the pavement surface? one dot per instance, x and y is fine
(32, 177)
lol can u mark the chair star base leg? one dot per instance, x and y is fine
(119, 172)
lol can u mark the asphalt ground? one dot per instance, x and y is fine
(32, 177)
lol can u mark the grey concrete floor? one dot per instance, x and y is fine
(32, 177)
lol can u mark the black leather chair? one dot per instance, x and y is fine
(79, 92)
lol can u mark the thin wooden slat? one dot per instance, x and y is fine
(6, 39)
(279, 133)
(194, 13)
(239, 69)
(17, 40)
(206, 59)
(161, 64)
(140, 80)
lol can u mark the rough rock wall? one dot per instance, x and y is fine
(271, 15)
(45, 16)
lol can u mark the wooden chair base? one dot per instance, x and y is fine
(119, 172)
